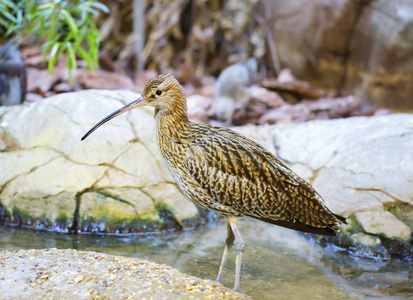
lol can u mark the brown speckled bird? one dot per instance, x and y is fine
(228, 173)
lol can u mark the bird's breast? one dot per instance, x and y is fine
(172, 149)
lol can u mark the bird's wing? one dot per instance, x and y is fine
(241, 174)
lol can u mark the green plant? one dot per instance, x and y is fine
(65, 27)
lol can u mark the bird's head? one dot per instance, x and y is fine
(163, 92)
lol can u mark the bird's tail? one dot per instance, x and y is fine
(341, 219)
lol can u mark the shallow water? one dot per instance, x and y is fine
(278, 263)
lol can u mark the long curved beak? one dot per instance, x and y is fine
(138, 102)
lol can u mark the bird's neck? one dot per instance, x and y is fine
(171, 123)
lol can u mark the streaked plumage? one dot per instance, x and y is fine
(226, 172)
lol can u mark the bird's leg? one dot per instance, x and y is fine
(239, 245)
(230, 241)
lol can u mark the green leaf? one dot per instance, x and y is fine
(92, 11)
(54, 49)
(93, 49)
(47, 46)
(42, 26)
(9, 4)
(51, 64)
(4, 23)
(9, 16)
(85, 56)
(20, 16)
(69, 69)
(53, 25)
(99, 5)
(71, 55)
(53, 58)
(69, 21)
(12, 29)
(47, 5)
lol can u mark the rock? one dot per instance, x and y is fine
(113, 182)
(361, 166)
(346, 46)
(40, 81)
(366, 245)
(365, 239)
(383, 222)
(292, 91)
(104, 80)
(169, 194)
(271, 99)
(71, 274)
(118, 211)
(321, 109)
(32, 97)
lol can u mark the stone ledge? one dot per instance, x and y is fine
(71, 274)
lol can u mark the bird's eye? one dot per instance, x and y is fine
(159, 92)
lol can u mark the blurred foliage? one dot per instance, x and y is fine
(207, 35)
(66, 27)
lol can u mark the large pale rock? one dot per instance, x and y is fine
(69, 274)
(362, 167)
(111, 182)
(347, 46)
(377, 222)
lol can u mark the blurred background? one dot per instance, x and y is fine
(303, 50)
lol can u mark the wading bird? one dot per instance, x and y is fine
(228, 173)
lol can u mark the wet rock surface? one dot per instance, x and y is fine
(71, 274)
